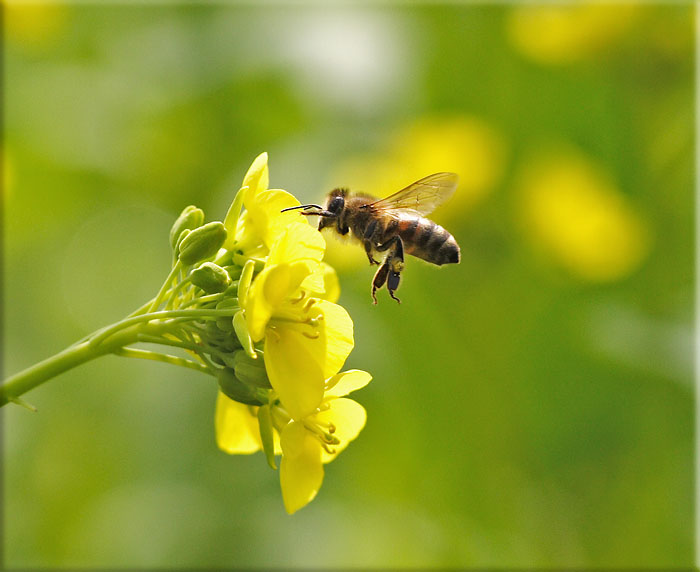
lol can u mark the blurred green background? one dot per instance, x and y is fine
(532, 406)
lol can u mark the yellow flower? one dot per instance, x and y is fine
(305, 444)
(262, 221)
(318, 438)
(306, 339)
(288, 311)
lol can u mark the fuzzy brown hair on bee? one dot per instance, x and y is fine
(396, 225)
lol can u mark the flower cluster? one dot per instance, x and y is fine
(252, 303)
(273, 334)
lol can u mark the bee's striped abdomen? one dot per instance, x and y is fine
(427, 240)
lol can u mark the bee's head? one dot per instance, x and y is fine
(334, 206)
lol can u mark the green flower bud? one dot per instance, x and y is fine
(266, 434)
(235, 389)
(241, 328)
(248, 370)
(245, 279)
(190, 218)
(234, 271)
(210, 278)
(203, 242)
(224, 324)
(226, 342)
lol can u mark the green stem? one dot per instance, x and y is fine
(164, 288)
(169, 305)
(163, 314)
(166, 358)
(75, 355)
(146, 339)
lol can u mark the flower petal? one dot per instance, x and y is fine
(347, 382)
(256, 179)
(266, 211)
(293, 369)
(348, 417)
(336, 334)
(236, 427)
(298, 242)
(301, 474)
(323, 283)
(269, 291)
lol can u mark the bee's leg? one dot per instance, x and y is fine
(368, 249)
(367, 241)
(379, 280)
(343, 230)
(394, 264)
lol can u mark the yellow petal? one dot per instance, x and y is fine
(336, 334)
(269, 220)
(256, 179)
(313, 284)
(330, 282)
(346, 382)
(323, 283)
(236, 427)
(269, 291)
(292, 439)
(298, 242)
(293, 369)
(348, 417)
(301, 475)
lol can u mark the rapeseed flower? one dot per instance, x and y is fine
(251, 303)
(288, 318)
(306, 444)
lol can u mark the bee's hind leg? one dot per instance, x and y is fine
(390, 271)
(379, 280)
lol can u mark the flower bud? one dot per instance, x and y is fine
(245, 280)
(225, 324)
(235, 389)
(234, 271)
(250, 371)
(211, 278)
(241, 328)
(202, 242)
(190, 218)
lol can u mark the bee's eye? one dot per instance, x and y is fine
(336, 204)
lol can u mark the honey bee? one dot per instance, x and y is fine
(395, 225)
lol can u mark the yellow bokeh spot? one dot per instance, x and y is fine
(34, 24)
(560, 34)
(575, 214)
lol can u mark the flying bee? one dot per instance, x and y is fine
(395, 225)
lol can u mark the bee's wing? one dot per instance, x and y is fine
(422, 197)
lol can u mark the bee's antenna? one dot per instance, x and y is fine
(319, 207)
